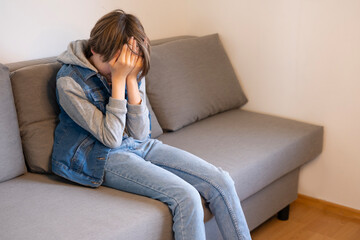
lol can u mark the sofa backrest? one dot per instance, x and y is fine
(191, 79)
(11, 160)
(35, 100)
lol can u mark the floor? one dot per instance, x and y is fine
(312, 220)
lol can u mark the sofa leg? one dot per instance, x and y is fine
(283, 214)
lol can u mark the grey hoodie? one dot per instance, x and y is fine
(120, 117)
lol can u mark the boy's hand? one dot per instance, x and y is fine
(134, 97)
(123, 62)
(139, 60)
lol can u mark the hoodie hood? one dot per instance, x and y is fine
(75, 55)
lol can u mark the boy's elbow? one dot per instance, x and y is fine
(114, 143)
(141, 137)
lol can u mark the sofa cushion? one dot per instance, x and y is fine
(12, 162)
(191, 79)
(256, 149)
(58, 209)
(35, 100)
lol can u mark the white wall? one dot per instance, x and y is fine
(299, 59)
(33, 29)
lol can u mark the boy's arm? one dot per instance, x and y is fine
(109, 128)
(138, 122)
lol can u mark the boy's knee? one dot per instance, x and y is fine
(224, 180)
(185, 199)
(189, 196)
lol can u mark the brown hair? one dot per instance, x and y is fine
(114, 30)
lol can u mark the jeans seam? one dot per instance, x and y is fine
(217, 187)
(127, 178)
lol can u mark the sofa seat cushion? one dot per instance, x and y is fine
(37, 206)
(256, 149)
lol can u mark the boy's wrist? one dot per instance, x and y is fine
(131, 78)
(118, 78)
(118, 88)
(133, 91)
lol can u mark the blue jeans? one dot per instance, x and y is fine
(178, 178)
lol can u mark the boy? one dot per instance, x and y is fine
(103, 137)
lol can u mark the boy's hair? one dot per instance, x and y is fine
(114, 30)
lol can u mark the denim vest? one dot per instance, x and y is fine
(77, 155)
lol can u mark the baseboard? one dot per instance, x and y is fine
(329, 206)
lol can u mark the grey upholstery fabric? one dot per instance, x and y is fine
(17, 65)
(49, 207)
(156, 130)
(255, 148)
(191, 79)
(271, 199)
(169, 39)
(12, 162)
(37, 109)
(42, 207)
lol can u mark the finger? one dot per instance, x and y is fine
(124, 53)
(132, 42)
(132, 45)
(115, 58)
(140, 62)
(128, 54)
(135, 52)
(135, 46)
(137, 63)
(134, 59)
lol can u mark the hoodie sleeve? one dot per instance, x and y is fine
(108, 128)
(138, 122)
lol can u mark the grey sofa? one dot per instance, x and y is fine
(192, 75)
